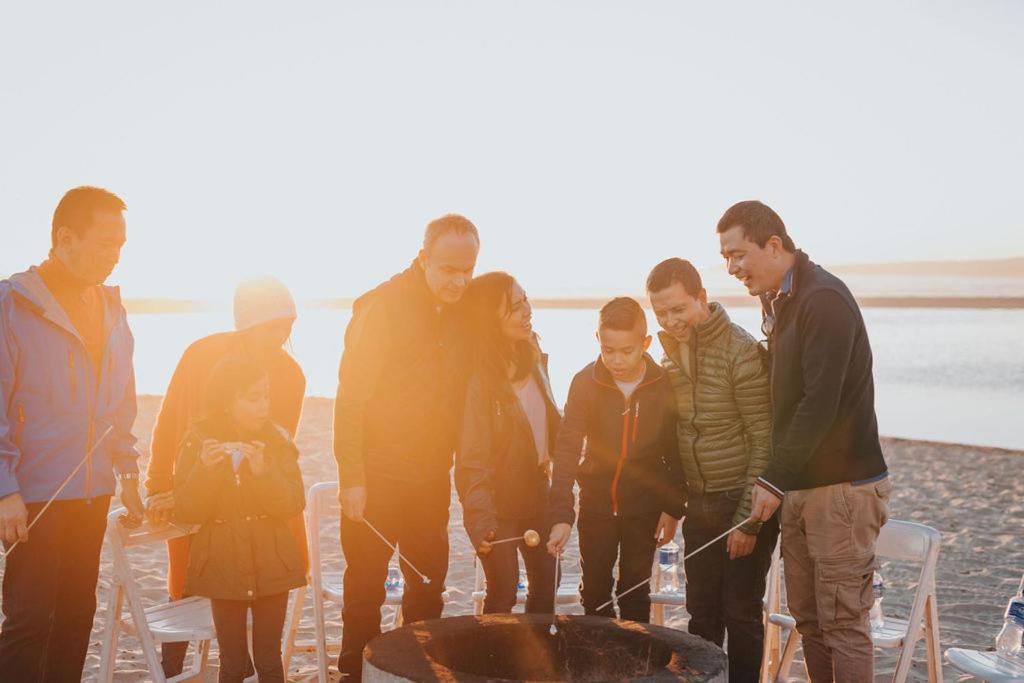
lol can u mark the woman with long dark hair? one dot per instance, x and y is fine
(509, 425)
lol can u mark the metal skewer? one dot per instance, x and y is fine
(530, 537)
(685, 558)
(394, 549)
(4, 554)
(554, 599)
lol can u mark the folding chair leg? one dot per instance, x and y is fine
(294, 618)
(931, 640)
(319, 631)
(767, 661)
(108, 651)
(788, 654)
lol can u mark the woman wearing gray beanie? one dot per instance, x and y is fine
(264, 315)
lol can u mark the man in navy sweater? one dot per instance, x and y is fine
(827, 471)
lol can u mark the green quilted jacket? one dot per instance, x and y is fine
(724, 405)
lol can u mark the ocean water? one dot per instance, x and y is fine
(953, 375)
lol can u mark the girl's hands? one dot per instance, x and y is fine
(255, 453)
(213, 452)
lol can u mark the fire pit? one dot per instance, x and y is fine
(519, 648)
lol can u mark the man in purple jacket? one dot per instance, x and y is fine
(67, 404)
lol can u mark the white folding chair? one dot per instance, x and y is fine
(986, 665)
(568, 590)
(181, 620)
(324, 586)
(902, 541)
(771, 655)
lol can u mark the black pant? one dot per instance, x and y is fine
(49, 592)
(722, 594)
(229, 618)
(501, 567)
(414, 515)
(172, 659)
(630, 540)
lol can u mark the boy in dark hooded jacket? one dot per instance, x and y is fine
(618, 440)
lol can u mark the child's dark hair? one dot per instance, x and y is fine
(624, 314)
(228, 379)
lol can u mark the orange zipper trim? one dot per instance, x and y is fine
(622, 461)
(625, 435)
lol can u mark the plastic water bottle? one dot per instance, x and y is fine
(394, 582)
(668, 563)
(875, 616)
(524, 581)
(1010, 638)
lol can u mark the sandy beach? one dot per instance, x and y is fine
(973, 496)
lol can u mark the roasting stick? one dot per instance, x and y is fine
(3, 555)
(554, 601)
(530, 537)
(394, 549)
(685, 558)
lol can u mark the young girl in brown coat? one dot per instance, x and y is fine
(237, 476)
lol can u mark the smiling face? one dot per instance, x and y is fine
(448, 265)
(678, 311)
(251, 407)
(760, 269)
(622, 352)
(92, 251)
(516, 316)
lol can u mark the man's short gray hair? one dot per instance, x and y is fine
(449, 223)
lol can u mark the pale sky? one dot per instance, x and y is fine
(587, 140)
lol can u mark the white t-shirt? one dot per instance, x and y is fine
(627, 388)
(536, 409)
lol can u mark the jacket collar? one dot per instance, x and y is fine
(417, 279)
(603, 376)
(707, 332)
(793, 279)
(714, 326)
(30, 287)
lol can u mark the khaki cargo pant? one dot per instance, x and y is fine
(828, 549)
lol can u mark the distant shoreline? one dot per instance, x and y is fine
(313, 404)
(160, 306)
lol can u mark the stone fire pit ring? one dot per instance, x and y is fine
(518, 647)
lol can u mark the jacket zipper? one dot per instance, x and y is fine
(622, 460)
(21, 425)
(631, 407)
(693, 420)
(89, 439)
(71, 373)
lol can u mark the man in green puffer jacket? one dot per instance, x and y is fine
(720, 383)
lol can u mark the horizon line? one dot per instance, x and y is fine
(157, 306)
